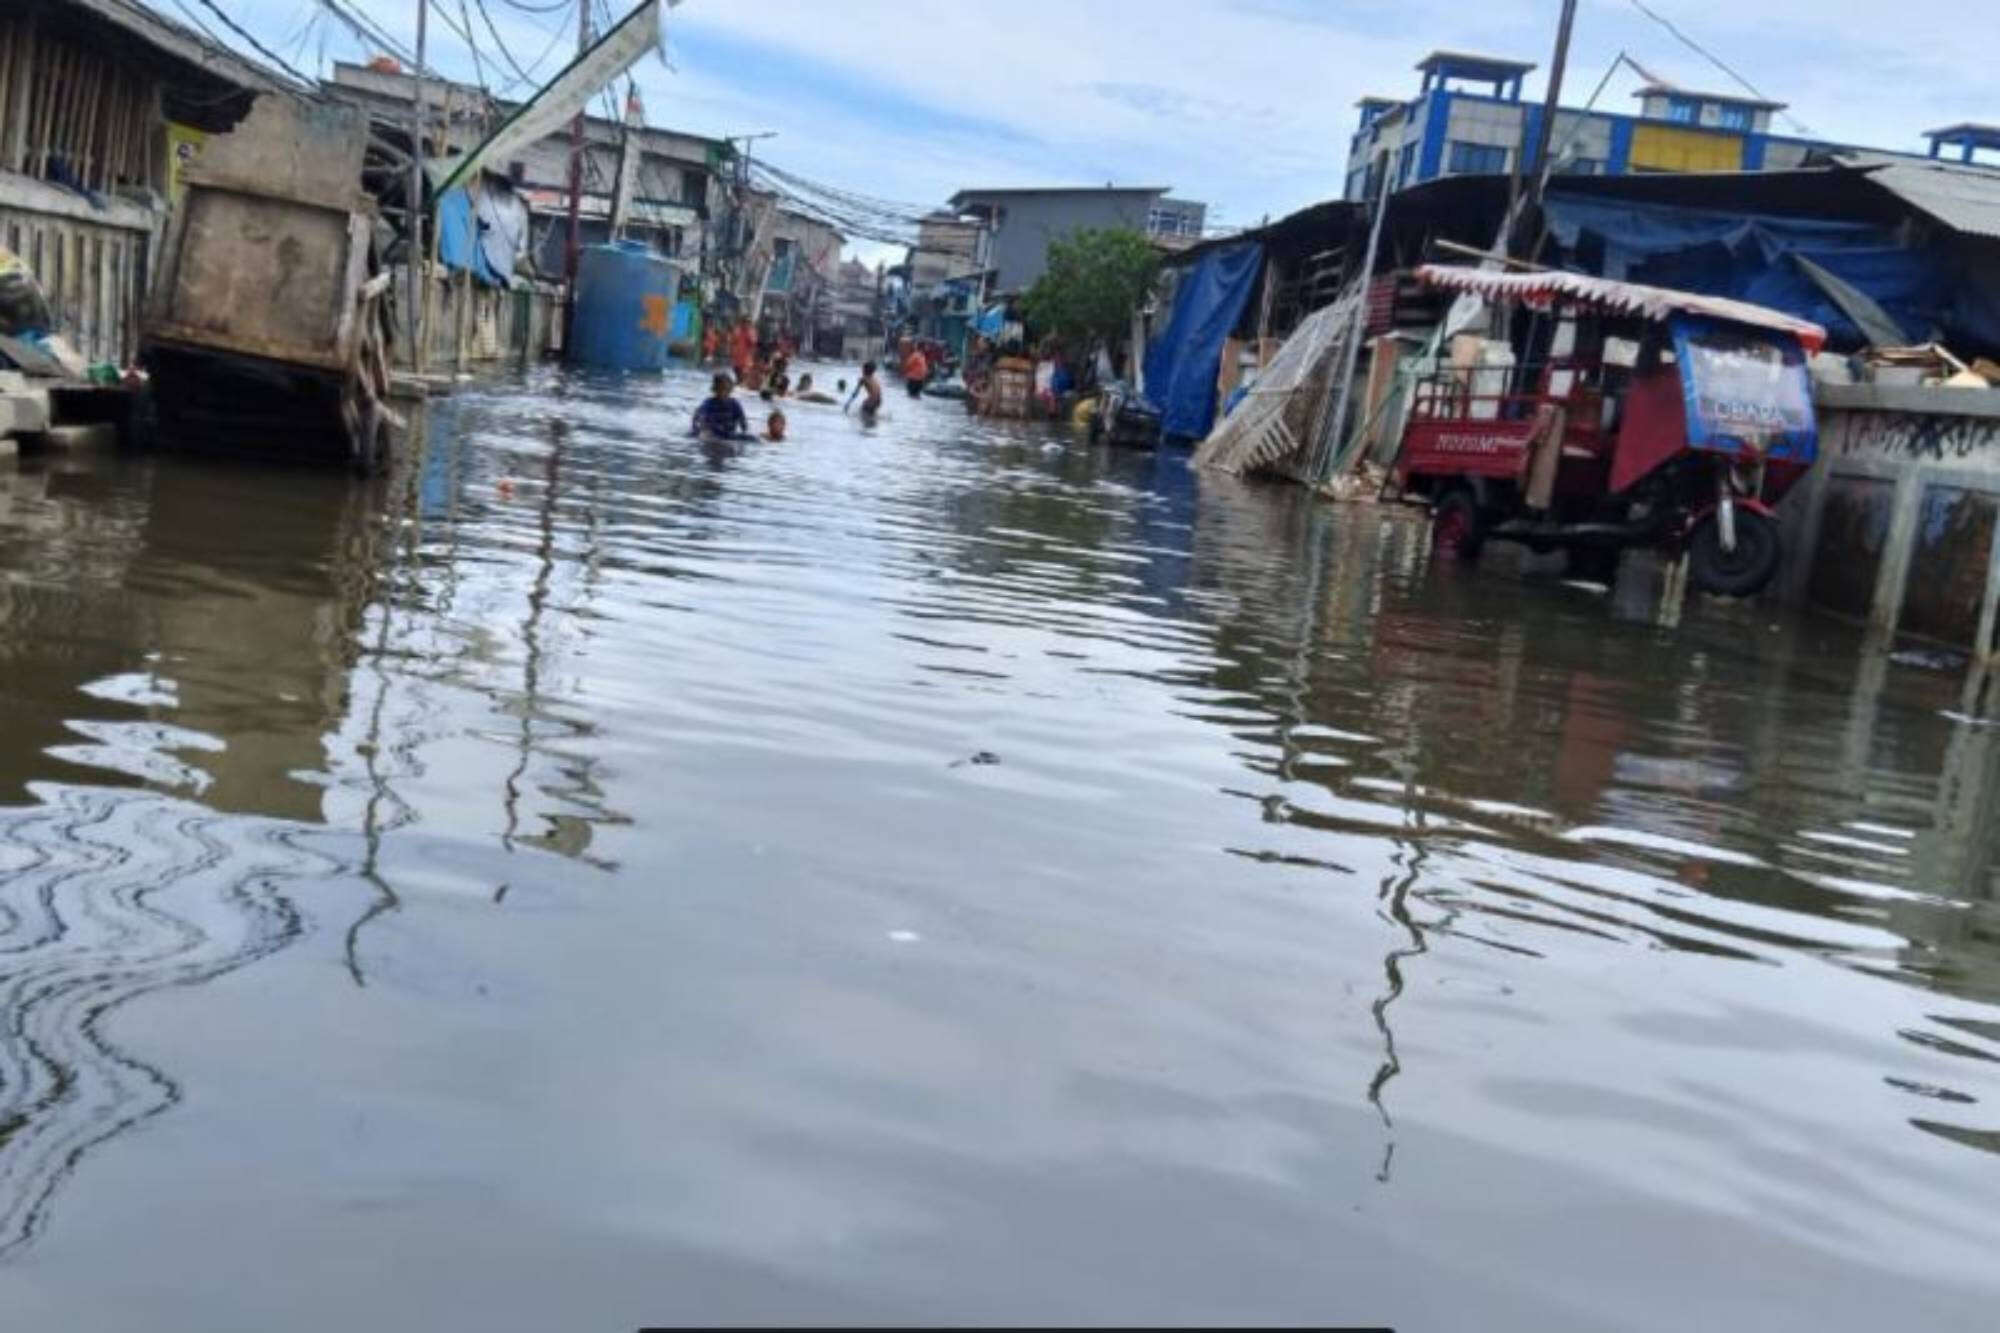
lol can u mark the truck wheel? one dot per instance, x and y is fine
(1457, 529)
(1742, 572)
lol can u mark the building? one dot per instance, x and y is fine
(1178, 219)
(100, 102)
(855, 331)
(1020, 223)
(948, 246)
(1468, 118)
(675, 186)
(801, 259)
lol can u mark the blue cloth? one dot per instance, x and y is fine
(481, 237)
(990, 322)
(1748, 256)
(1186, 355)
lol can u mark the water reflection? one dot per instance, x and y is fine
(919, 822)
(106, 897)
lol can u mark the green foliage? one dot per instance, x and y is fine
(1094, 280)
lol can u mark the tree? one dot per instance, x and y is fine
(1095, 279)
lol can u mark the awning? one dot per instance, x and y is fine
(1655, 303)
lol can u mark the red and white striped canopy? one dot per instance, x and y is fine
(1545, 287)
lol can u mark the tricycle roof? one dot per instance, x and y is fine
(1546, 287)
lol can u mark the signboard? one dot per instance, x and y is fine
(565, 96)
(1747, 390)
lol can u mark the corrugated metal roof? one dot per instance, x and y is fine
(1656, 303)
(1964, 198)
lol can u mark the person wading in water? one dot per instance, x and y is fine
(916, 371)
(720, 416)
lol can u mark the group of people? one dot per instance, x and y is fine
(721, 415)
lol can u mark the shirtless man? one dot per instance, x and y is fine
(870, 389)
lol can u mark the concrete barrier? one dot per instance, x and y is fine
(1896, 525)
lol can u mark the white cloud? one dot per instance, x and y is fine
(1247, 104)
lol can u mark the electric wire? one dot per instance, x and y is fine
(1713, 59)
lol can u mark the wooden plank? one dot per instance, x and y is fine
(14, 153)
(93, 119)
(9, 34)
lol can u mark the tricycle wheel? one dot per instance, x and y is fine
(1457, 529)
(1742, 572)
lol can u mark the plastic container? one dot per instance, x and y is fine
(624, 308)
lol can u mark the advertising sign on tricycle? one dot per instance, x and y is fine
(1747, 390)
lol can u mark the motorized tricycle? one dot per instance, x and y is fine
(1614, 416)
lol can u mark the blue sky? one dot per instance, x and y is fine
(1246, 104)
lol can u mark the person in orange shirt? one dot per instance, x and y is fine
(711, 342)
(743, 347)
(916, 370)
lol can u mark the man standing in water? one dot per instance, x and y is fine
(916, 370)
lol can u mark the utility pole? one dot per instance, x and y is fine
(741, 232)
(575, 187)
(1540, 161)
(413, 263)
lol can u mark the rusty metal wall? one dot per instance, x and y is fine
(95, 277)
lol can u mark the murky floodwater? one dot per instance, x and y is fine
(951, 873)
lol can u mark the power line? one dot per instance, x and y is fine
(478, 66)
(261, 49)
(370, 32)
(1713, 59)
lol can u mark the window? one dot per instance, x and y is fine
(1477, 159)
(1734, 117)
(1684, 110)
(1409, 164)
(1580, 166)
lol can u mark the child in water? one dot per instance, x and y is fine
(807, 394)
(871, 392)
(774, 426)
(720, 416)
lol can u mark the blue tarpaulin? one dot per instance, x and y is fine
(1750, 257)
(1182, 363)
(482, 233)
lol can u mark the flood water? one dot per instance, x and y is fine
(951, 873)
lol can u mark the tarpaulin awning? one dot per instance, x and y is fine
(1779, 262)
(1544, 288)
(1182, 363)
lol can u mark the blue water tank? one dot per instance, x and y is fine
(624, 308)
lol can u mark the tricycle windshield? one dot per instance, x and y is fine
(1746, 388)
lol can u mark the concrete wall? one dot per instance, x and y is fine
(1033, 219)
(1896, 525)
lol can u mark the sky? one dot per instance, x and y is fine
(1247, 105)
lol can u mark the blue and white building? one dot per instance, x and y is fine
(1469, 118)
